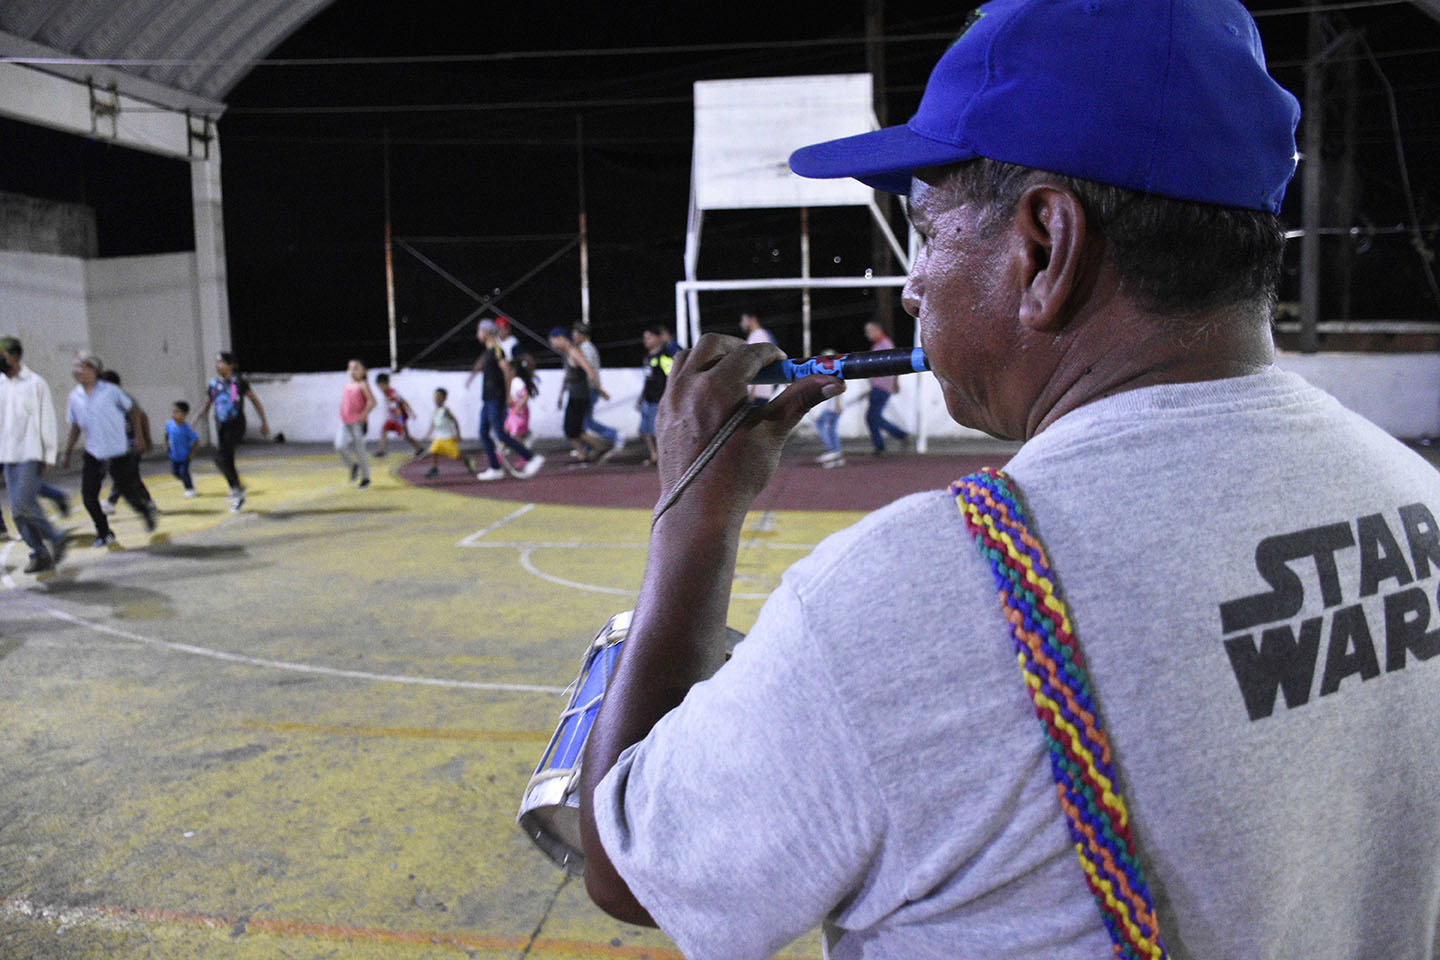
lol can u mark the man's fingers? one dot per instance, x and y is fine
(802, 395)
(745, 361)
(710, 349)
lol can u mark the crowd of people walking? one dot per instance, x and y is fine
(113, 432)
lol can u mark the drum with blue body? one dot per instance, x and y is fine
(550, 807)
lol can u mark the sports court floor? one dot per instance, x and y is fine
(303, 731)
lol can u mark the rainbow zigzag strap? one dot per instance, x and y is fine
(1054, 674)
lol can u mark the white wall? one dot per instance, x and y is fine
(306, 406)
(1399, 392)
(42, 301)
(138, 314)
(142, 325)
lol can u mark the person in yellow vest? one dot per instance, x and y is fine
(658, 361)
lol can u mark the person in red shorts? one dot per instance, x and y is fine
(397, 416)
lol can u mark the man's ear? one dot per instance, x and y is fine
(1050, 226)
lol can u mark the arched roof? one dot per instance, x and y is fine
(186, 54)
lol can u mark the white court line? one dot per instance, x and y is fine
(472, 539)
(298, 667)
(530, 568)
(533, 570)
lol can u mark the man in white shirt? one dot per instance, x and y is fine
(99, 410)
(27, 448)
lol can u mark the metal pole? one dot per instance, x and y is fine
(805, 273)
(1313, 184)
(389, 262)
(584, 237)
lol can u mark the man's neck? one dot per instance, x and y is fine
(1149, 352)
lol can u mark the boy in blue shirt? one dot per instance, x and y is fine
(181, 439)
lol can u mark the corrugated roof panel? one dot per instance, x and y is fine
(222, 39)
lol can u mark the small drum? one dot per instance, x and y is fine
(550, 807)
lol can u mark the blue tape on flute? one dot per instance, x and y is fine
(847, 366)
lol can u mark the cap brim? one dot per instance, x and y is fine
(883, 159)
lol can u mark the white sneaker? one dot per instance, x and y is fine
(107, 508)
(838, 461)
(189, 494)
(237, 500)
(532, 466)
(609, 453)
(494, 473)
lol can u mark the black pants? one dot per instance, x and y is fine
(134, 459)
(126, 479)
(577, 408)
(231, 433)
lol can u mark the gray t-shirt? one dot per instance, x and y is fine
(1251, 572)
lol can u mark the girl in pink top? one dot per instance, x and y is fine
(356, 402)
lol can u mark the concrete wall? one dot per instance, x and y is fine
(142, 324)
(42, 301)
(137, 314)
(305, 406)
(1399, 392)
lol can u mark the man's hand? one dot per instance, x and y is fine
(676, 636)
(706, 385)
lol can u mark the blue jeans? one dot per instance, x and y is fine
(647, 417)
(181, 469)
(828, 426)
(875, 419)
(23, 481)
(595, 426)
(492, 418)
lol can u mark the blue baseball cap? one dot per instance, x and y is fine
(1169, 97)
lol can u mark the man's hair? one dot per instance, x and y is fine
(11, 345)
(443, 392)
(92, 361)
(1173, 257)
(658, 329)
(580, 330)
(382, 378)
(182, 406)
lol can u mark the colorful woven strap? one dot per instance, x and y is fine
(1054, 674)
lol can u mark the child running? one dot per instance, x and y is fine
(356, 402)
(397, 416)
(522, 389)
(446, 431)
(181, 438)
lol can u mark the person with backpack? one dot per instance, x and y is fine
(227, 392)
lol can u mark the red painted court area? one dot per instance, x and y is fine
(865, 482)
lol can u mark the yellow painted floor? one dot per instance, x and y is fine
(302, 731)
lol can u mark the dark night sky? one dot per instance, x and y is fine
(488, 194)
